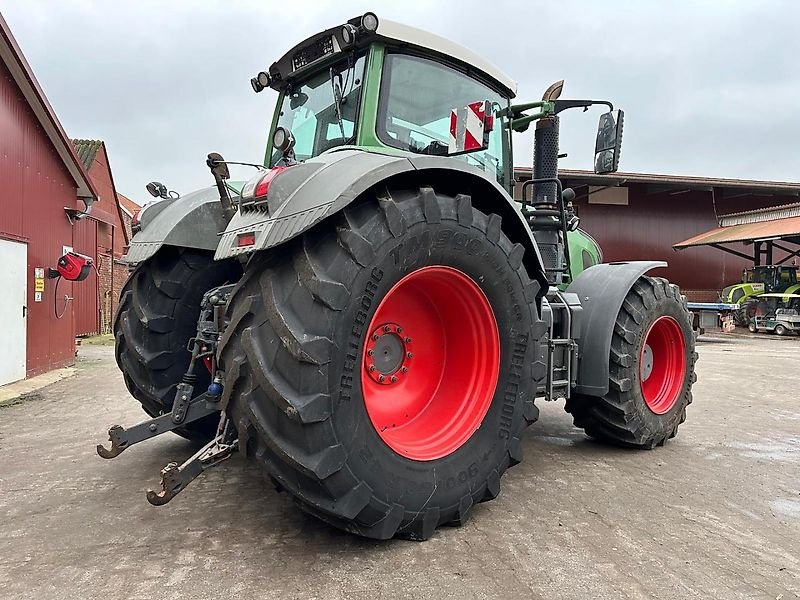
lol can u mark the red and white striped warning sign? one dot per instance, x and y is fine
(469, 127)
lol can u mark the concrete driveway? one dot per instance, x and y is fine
(713, 514)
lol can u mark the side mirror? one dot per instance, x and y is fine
(470, 127)
(609, 142)
(218, 166)
(157, 189)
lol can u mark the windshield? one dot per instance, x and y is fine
(417, 96)
(308, 110)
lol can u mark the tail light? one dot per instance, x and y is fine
(135, 221)
(258, 187)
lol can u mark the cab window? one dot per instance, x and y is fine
(308, 110)
(416, 98)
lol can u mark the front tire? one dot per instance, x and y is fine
(392, 278)
(651, 370)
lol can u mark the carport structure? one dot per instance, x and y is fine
(766, 230)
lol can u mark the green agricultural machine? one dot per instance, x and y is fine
(372, 317)
(758, 281)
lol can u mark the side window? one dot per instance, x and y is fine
(737, 295)
(417, 95)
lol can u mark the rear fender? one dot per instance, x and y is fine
(601, 290)
(306, 194)
(192, 221)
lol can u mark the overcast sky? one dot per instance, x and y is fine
(708, 88)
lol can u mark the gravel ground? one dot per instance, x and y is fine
(713, 514)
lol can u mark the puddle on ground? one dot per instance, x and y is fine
(785, 449)
(786, 507)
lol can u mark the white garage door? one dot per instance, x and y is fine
(13, 309)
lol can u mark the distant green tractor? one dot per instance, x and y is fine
(756, 281)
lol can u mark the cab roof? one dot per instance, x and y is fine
(397, 34)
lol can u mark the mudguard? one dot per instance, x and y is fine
(305, 194)
(601, 290)
(193, 221)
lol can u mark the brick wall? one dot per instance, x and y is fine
(109, 295)
(126, 222)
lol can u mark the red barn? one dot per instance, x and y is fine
(45, 191)
(103, 236)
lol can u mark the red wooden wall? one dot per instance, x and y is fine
(35, 189)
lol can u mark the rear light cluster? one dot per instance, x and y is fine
(246, 239)
(258, 186)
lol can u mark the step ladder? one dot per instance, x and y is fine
(560, 348)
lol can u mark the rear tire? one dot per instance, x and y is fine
(157, 315)
(295, 361)
(780, 330)
(651, 370)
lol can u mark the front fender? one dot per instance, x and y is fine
(192, 221)
(306, 194)
(601, 290)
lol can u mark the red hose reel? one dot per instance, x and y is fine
(72, 267)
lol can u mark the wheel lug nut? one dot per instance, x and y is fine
(370, 352)
(394, 379)
(375, 337)
(372, 368)
(410, 354)
(408, 340)
(404, 370)
(381, 378)
(387, 328)
(399, 329)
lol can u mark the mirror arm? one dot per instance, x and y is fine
(585, 104)
(521, 123)
(219, 170)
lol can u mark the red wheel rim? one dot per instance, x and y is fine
(430, 363)
(662, 365)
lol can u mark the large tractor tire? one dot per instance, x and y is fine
(651, 370)
(382, 366)
(743, 316)
(157, 315)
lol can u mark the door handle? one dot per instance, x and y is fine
(24, 311)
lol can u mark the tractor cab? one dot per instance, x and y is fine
(386, 87)
(383, 87)
(774, 278)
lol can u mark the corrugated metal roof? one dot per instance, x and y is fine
(673, 181)
(87, 151)
(746, 232)
(760, 215)
(22, 73)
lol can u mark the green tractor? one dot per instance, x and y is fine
(372, 317)
(755, 282)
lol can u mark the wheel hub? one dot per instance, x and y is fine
(662, 364)
(388, 354)
(647, 362)
(426, 398)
